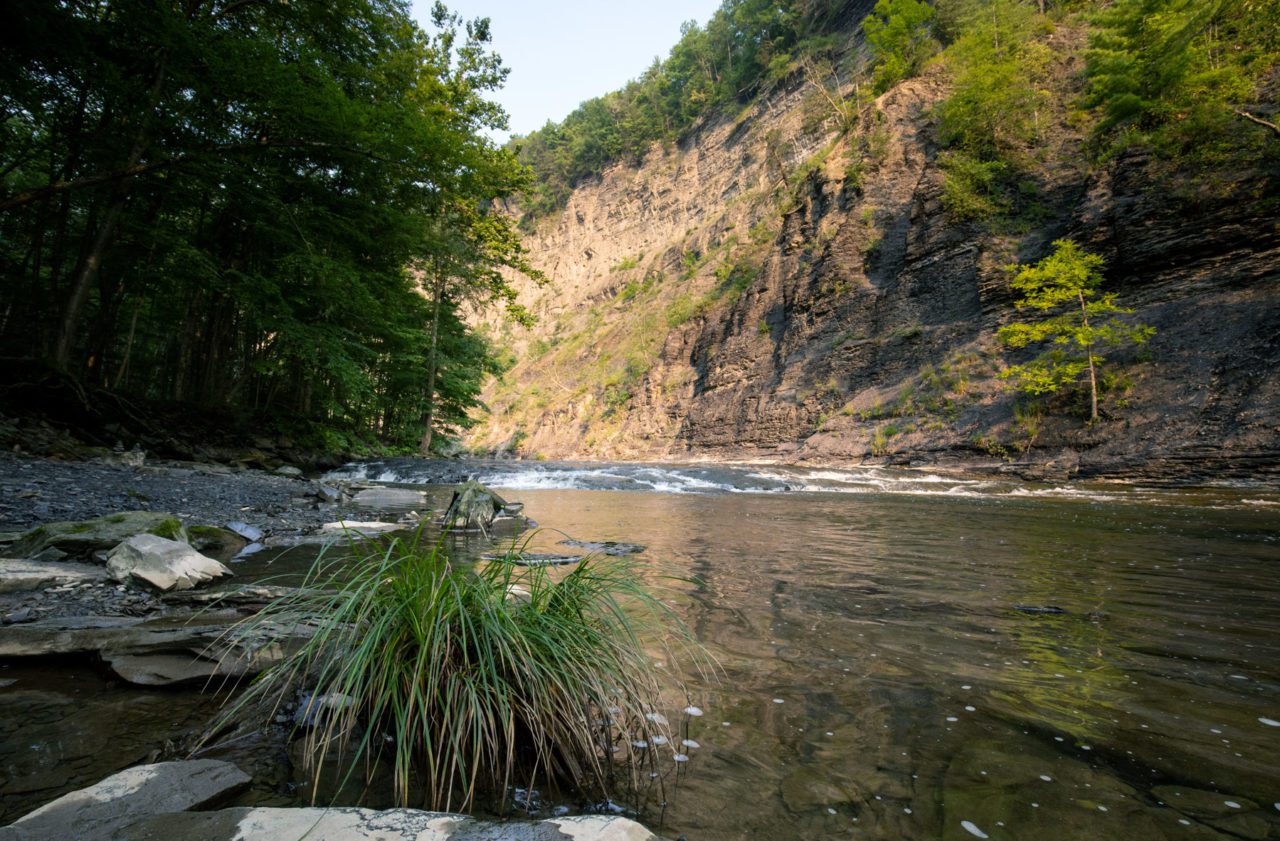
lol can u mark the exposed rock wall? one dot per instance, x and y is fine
(863, 327)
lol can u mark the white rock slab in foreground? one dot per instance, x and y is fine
(164, 564)
(348, 824)
(124, 798)
(360, 529)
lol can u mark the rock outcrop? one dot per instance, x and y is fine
(770, 289)
(81, 539)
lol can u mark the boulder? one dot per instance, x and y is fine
(474, 508)
(81, 539)
(105, 808)
(289, 471)
(164, 564)
(223, 544)
(16, 575)
(352, 824)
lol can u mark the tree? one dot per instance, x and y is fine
(1079, 324)
(900, 33)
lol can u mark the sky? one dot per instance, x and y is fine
(562, 53)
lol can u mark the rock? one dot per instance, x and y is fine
(352, 824)
(1052, 609)
(18, 616)
(250, 533)
(164, 564)
(81, 539)
(103, 809)
(17, 575)
(313, 705)
(535, 559)
(356, 528)
(160, 651)
(289, 470)
(473, 508)
(252, 595)
(605, 547)
(327, 493)
(223, 544)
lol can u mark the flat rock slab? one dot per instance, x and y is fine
(613, 548)
(350, 824)
(105, 808)
(17, 575)
(161, 651)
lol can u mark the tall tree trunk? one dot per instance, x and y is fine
(428, 416)
(1093, 374)
(106, 232)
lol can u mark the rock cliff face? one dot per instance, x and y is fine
(770, 288)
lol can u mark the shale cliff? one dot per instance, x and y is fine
(774, 287)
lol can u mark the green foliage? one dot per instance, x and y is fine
(1078, 325)
(237, 206)
(718, 66)
(992, 118)
(1179, 74)
(468, 680)
(973, 189)
(900, 34)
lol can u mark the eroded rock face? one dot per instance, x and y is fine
(81, 539)
(122, 799)
(475, 508)
(164, 564)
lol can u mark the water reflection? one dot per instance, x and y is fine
(916, 695)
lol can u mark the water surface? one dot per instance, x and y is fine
(916, 656)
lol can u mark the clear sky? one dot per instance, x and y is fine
(564, 52)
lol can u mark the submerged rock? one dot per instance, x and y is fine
(605, 547)
(82, 538)
(164, 564)
(535, 559)
(119, 801)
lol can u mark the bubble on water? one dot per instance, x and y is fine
(1102, 808)
(778, 701)
(724, 724)
(1270, 722)
(639, 743)
(1232, 804)
(829, 733)
(681, 757)
(659, 740)
(972, 829)
(830, 811)
(693, 711)
(1058, 739)
(1085, 747)
(1184, 821)
(1035, 805)
(952, 718)
(906, 809)
(690, 743)
(1046, 778)
(970, 709)
(657, 718)
(1214, 730)
(966, 686)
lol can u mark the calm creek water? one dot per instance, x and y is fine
(911, 656)
(879, 679)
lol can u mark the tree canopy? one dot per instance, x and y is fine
(224, 201)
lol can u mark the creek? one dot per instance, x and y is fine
(902, 655)
(912, 656)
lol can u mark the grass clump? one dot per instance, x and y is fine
(468, 680)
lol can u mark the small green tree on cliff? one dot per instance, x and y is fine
(1079, 324)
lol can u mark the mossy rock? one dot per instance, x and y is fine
(83, 538)
(222, 544)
